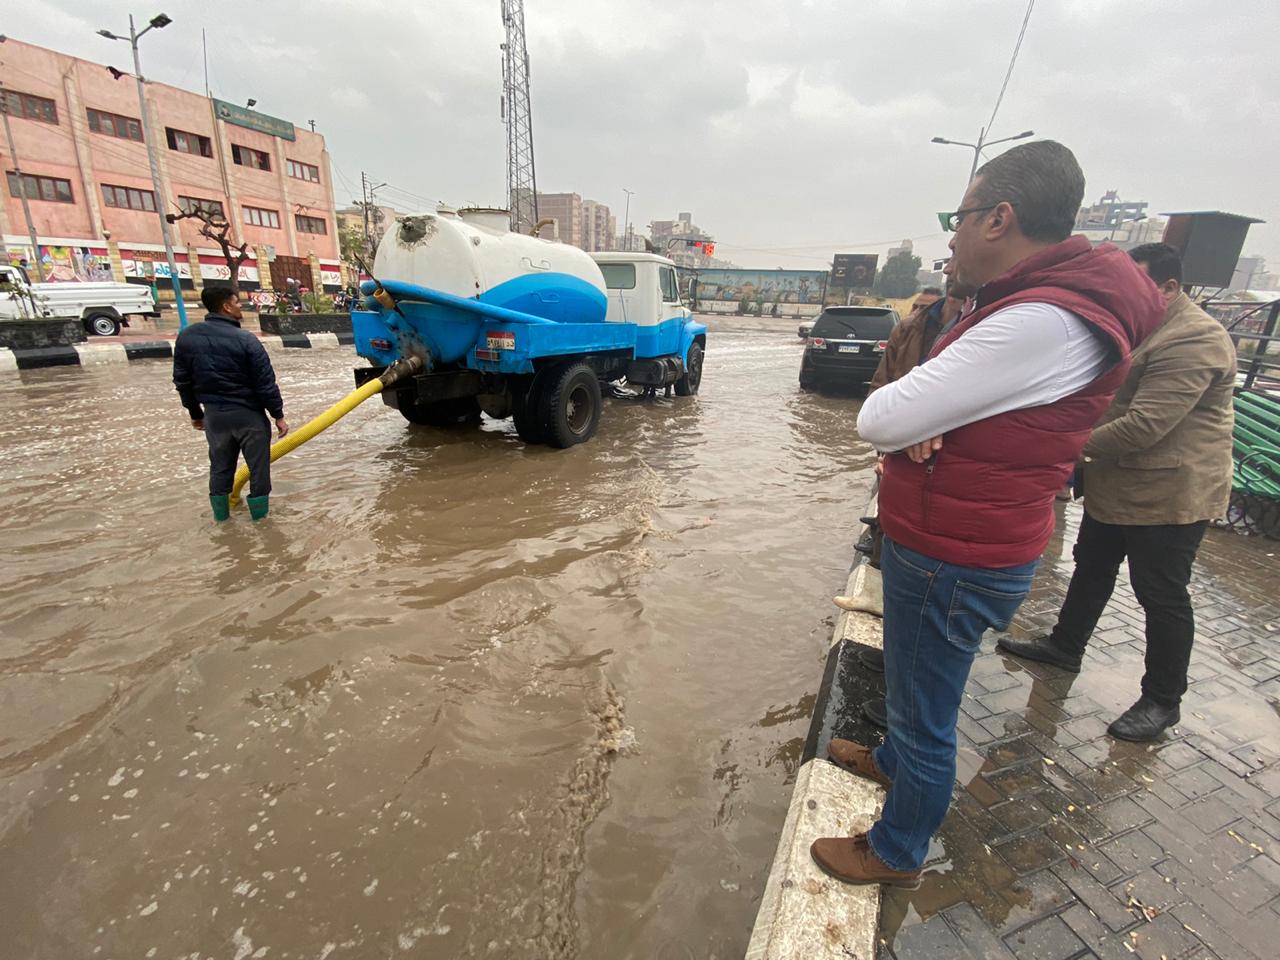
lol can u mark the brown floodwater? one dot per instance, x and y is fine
(458, 697)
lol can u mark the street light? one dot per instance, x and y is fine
(157, 22)
(626, 219)
(981, 145)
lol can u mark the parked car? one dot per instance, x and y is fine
(103, 308)
(845, 345)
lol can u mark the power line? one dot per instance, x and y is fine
(1012, 60)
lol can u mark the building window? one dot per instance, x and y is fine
(310, 224)
(258, 217)
(185, 142)
(30, 107)
(52, 189)
(248, 157)
(302, 171)
(114, 125)
(211, 208)
(128, 198)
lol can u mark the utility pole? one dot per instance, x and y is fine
(364, 208)
(22, 188)
(157, 22)
(626, 219)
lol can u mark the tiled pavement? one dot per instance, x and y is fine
(1063, 843)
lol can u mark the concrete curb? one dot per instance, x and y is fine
(126, 349)
(804, 914)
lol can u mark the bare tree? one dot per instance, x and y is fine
(216, 227)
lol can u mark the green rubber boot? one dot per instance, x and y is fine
(221, 507)
(257, 507)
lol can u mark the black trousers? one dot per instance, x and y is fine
(1160, 559)
(232, 431)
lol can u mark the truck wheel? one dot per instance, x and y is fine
(687, 385)
(524, 410)
(102, 325)
(569, 405)
(444, 413)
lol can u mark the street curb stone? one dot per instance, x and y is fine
(804, 914)
(98, 352)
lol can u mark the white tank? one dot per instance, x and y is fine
(472, 253)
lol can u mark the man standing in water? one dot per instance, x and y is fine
(980, 439)
(225, 380)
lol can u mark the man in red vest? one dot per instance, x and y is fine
(980, 439)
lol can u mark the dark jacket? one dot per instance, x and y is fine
(217, 363)
(986, 498)
(909, 344)
(1162, 453)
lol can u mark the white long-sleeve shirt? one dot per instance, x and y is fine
(1022, 356)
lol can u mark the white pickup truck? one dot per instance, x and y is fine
(103, 308)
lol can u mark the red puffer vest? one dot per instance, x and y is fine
(986, 498)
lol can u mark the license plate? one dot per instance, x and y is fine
(847, 348)
(501, 340)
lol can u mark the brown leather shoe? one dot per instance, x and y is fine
(856, 758)
(851, 860)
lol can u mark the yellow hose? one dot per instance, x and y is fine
(296, 438)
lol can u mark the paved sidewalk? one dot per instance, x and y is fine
(1064, 843)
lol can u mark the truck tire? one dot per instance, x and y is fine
(102, 325)
(524, 410)
(687, 385)
(444, 413)
(569, 405)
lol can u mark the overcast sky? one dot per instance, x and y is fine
(792, 130)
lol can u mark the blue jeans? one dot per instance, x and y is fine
(934, 616)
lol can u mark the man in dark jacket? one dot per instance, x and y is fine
(226, 382)
(980, 439)
(1157, 470)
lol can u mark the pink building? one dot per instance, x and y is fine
(78, 136)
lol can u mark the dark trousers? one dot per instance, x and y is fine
(232, 431)
(1160, 559)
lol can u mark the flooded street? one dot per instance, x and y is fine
(458, 697)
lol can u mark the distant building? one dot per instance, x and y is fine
(352, 218)
(565, 211)
(903, 247)
(599, 226)
(78, 133)
(1249, 274)
(1122, 222)
(683, 241)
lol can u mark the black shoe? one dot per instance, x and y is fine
(871, 658)
(875, 712)
(1041, 649)
(1145, 720)
(866, 544)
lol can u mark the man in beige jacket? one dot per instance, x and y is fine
(1157, 470)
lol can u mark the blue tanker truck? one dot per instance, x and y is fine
(518, 326)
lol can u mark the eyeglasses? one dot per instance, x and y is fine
(951, 221)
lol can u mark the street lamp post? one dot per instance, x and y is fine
(22, 188)
(626, 219)
(981, 145)
(157, 22)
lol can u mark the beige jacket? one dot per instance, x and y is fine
(1162, 453)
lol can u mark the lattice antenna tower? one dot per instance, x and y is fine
(522, 187)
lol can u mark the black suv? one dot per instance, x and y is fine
(845, 346)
